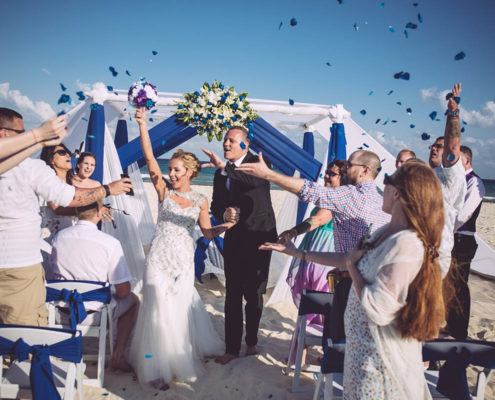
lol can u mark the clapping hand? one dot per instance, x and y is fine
(258, 169)
(215, 161)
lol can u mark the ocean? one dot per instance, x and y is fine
(205, 178)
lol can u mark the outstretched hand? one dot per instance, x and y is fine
(456, 91)
(286, 248)
(215, 161)
(258, 169)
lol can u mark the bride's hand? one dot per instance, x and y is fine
(140, 116)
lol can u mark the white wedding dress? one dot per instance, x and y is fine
(173, 331)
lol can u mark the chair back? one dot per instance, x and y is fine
(313, 302)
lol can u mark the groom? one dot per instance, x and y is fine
(246, 267)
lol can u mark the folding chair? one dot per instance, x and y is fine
(55, 364)
(331, 373)
(451, 379)
(312, 302)
(73, 294)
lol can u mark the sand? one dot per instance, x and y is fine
(260, 377)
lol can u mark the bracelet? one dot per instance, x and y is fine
(304, 253)
(454, 113)
(107, 190)
(34, 136)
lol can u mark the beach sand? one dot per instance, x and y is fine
(260, 377)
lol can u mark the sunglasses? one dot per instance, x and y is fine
(331, 173)
(63, 152)
(19, 131)
(436, 146)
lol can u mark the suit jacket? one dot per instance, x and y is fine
(250, 194)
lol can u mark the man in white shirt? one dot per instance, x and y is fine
(465, 248)
(22, 286)
(82, 252)
(446, 161)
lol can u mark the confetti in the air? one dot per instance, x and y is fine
(113, 71)
(378, 120)
(63, 87)
(433, 115)
(328, 64)
(399, 103)
(402, 75)
(154, 52)
(363, 112)
(409, 110)
(64, 99)
(412, 126)
(291, 102)
(110, 88)
(127, 72)
(370, 93)
(420, 18)
(356, 27)
(94, 106)
(280, 25)
(389, 93)
(410, 25)
(406, 34)
(293, 22)
(425, 136)
(460, 56)
(81, 95)
(365, 145)
(391, 28)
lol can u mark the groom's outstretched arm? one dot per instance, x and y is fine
(261, 170)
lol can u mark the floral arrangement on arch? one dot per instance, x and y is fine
(214, 109)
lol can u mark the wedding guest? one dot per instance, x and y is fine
(16, 144)
(464, 249)
(318, 230)
(403, 156)
(82, 252)
(246, 267)
(22, 287)
(446, 161)
(356, 209)
(396, 302)
(85, 166)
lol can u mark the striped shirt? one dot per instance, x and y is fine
(20, 220)
(354, 208)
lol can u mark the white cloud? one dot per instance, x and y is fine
(44, 70)
(31, 110)
(390, 142)
(484, 118)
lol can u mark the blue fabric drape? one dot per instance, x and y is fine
(121, 135)
(41, 375)
(308, 147)
(200, 253)
(76, 300)
(337, 144)
(95, 138)
(282, 152)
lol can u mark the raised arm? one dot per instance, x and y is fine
(153, 167)
(452, 141)
(320, 218)
(261, 170)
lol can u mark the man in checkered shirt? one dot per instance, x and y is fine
(356, 207)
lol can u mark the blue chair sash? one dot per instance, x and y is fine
(76, 300)
(200, 254)
(40, 374)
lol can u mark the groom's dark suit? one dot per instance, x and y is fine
(246, 267)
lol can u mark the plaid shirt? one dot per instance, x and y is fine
(354, 209)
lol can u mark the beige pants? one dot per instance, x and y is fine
(23, 296)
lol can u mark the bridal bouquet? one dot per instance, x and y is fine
(143, 94)
(214, 109)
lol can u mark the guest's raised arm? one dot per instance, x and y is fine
(151, 162)
(452, 144)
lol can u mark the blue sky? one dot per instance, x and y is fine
(240, 43)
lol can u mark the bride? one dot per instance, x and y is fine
(174, 331)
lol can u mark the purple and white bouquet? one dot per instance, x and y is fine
(143, 94)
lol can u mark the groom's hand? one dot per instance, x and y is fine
(232, 214)
(215, 161)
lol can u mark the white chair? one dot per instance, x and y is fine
(97, 327)
(312, 302)
(459, 354)
(15, 381)
(331, 373)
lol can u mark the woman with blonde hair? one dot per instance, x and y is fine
(174, 331)
(397, 300)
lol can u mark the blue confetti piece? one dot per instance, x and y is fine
(64, 99)
(460, 56)
(84, 119)
(147, 356)
(293, 22)
(360, 148)
(462, 130)
(113, 71)
(391, 28)
(449, 96)
(379, 169)
(412, 126)
(81, 95)
(150, 119)
(382, 5)
(154, 52)
(243, 146)
(127, 73)
(386, 122)
(94, 106)
(328, 64)
(370, 93)
(110, 88)
(425, 136)
(365, 145)
(175, 279)
(389, 93)
(394, 121)
(383, 160)
(362, 112)
(415, 4)
(410, 25)
(433, 115)
(291, 102)
(106, 394)
(63, 87)
(378, 120)
(399, 103)
(402, 75)
(420, 18)
(61, 113)
(406, 34)
(280, 25)
(450, 157)
(409, 110)
(356, 27)
(153, 111)
(364, 133)
(92, 137)
(340, 2)
(464, 122)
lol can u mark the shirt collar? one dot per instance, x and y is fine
(239, 161)
(469, 171)
(86, 223)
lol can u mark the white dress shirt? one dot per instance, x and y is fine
(474, 196)
(20, 220)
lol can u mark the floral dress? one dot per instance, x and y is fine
(379, 363)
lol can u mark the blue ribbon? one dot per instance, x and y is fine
(40, 374)
(76, 300)
(200, 254)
